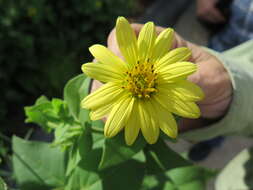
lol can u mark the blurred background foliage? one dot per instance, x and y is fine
(44, 43)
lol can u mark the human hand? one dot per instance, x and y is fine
(211, 76)
(207, 11)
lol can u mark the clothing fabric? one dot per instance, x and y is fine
(239, 28)
(239, 119)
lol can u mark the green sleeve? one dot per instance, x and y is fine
(239, 118)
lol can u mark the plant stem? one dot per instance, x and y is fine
(28, 134)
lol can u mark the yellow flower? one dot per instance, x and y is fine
(142, 91)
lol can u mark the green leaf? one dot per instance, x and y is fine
(37, 165)
(48, 114)
(125, 176)
(80, 149)
(54, 115)
(167, 169)
(41, 113)
(75, 90)
(116, 151)
(66, 134)
(182, 178)
(3, 186)
(41, 100)
(161, 158)
(86, 176)
(150, 182)
(190, 177)
(84, 180)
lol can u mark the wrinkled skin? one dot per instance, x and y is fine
(211, 76)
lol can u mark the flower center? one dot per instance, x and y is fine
(140, 80)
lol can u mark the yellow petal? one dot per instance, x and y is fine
(166, 121)
(185, 90)
(146, 41)
(126, 39)
(148, 125)
(186, 109)
(162, 45)
(105, 56)
(168, 125)
(102, 72)
(101, 112)
(118, 116)
(132, 126)
(175, 55)
(176, 71)
(177, 106)
(107, 94)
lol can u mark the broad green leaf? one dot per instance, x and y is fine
(140, 156)
(88, 150)
(84, 180)
(37, 165)
(238, 173)
(75, 90)
(157, 182)
(87, 176)
(161, 158)
(3, 185)
(116, 151)
(150, 182)
(182, 178)
(125, 176)
(167, 169)
(190, 177)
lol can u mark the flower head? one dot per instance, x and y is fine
(142, 91)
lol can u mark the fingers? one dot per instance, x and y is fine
(215, 16)
(112, 43)
(113, 46)
(206, 10)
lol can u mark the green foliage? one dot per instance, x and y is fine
(3, 150)
(167, 170)
(37, 165)
(115, 151)
(157, 163)
(181, 178)
(3, 186)
(75, 90)
(89, 160)
(54, 115)
(43, 44)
